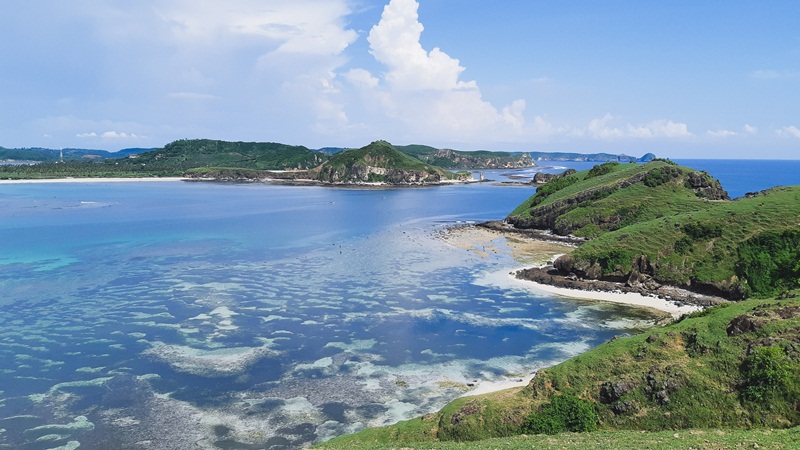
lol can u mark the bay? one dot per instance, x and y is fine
(258, 316)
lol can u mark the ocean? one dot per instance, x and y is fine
(263, 316)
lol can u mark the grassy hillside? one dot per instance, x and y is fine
(671, 224)
(455, 159)
(380, 162)
(722, 246)
(730, 367)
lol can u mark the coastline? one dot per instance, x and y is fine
(536, 250)
(92, 180)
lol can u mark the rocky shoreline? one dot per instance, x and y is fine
(551, 276)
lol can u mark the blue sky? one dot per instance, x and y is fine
(682, 79)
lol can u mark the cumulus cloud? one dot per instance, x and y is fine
(789, 131)
(750, 129)
(395, 41)
(117, 135)
(91, 134)
(604, 129)
(423, 88)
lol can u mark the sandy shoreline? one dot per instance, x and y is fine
(92, 180)
(534, 252)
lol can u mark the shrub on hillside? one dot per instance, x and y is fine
(770, 262)
(564, 413)
(766, 371)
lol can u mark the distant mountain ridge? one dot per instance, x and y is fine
(593, 157)
(70, 154)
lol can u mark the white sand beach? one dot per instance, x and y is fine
(534, 252)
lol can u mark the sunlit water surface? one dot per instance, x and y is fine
(183, 315)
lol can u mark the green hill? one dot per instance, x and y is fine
(380, 162)
(456, 159)
(190, 154)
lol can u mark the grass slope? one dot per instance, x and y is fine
(673, 225)
(456, 159)
(698, 373)
(379, 161)
(699, 246)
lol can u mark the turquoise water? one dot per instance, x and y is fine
(256, 316)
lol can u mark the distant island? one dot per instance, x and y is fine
(206, 159)
(594, 157)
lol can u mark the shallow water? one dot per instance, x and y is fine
(251, 314)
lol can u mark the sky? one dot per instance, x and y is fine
(679, 78)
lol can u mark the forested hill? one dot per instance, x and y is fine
(192, 153)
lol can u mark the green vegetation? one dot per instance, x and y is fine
(563, 413)
(712, 439)
(380, 162)
(660, 213)
(455, 159)
(704, 372)
(770, 262)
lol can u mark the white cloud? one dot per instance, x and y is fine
(423, 89)
(603, 129)
(191, 96)
(91, 134)
(117, 135)
(395, 41)
(749, 129)
(721, 133)
(789, 131)
(295, 26)
(773, 74)
(660, 129)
